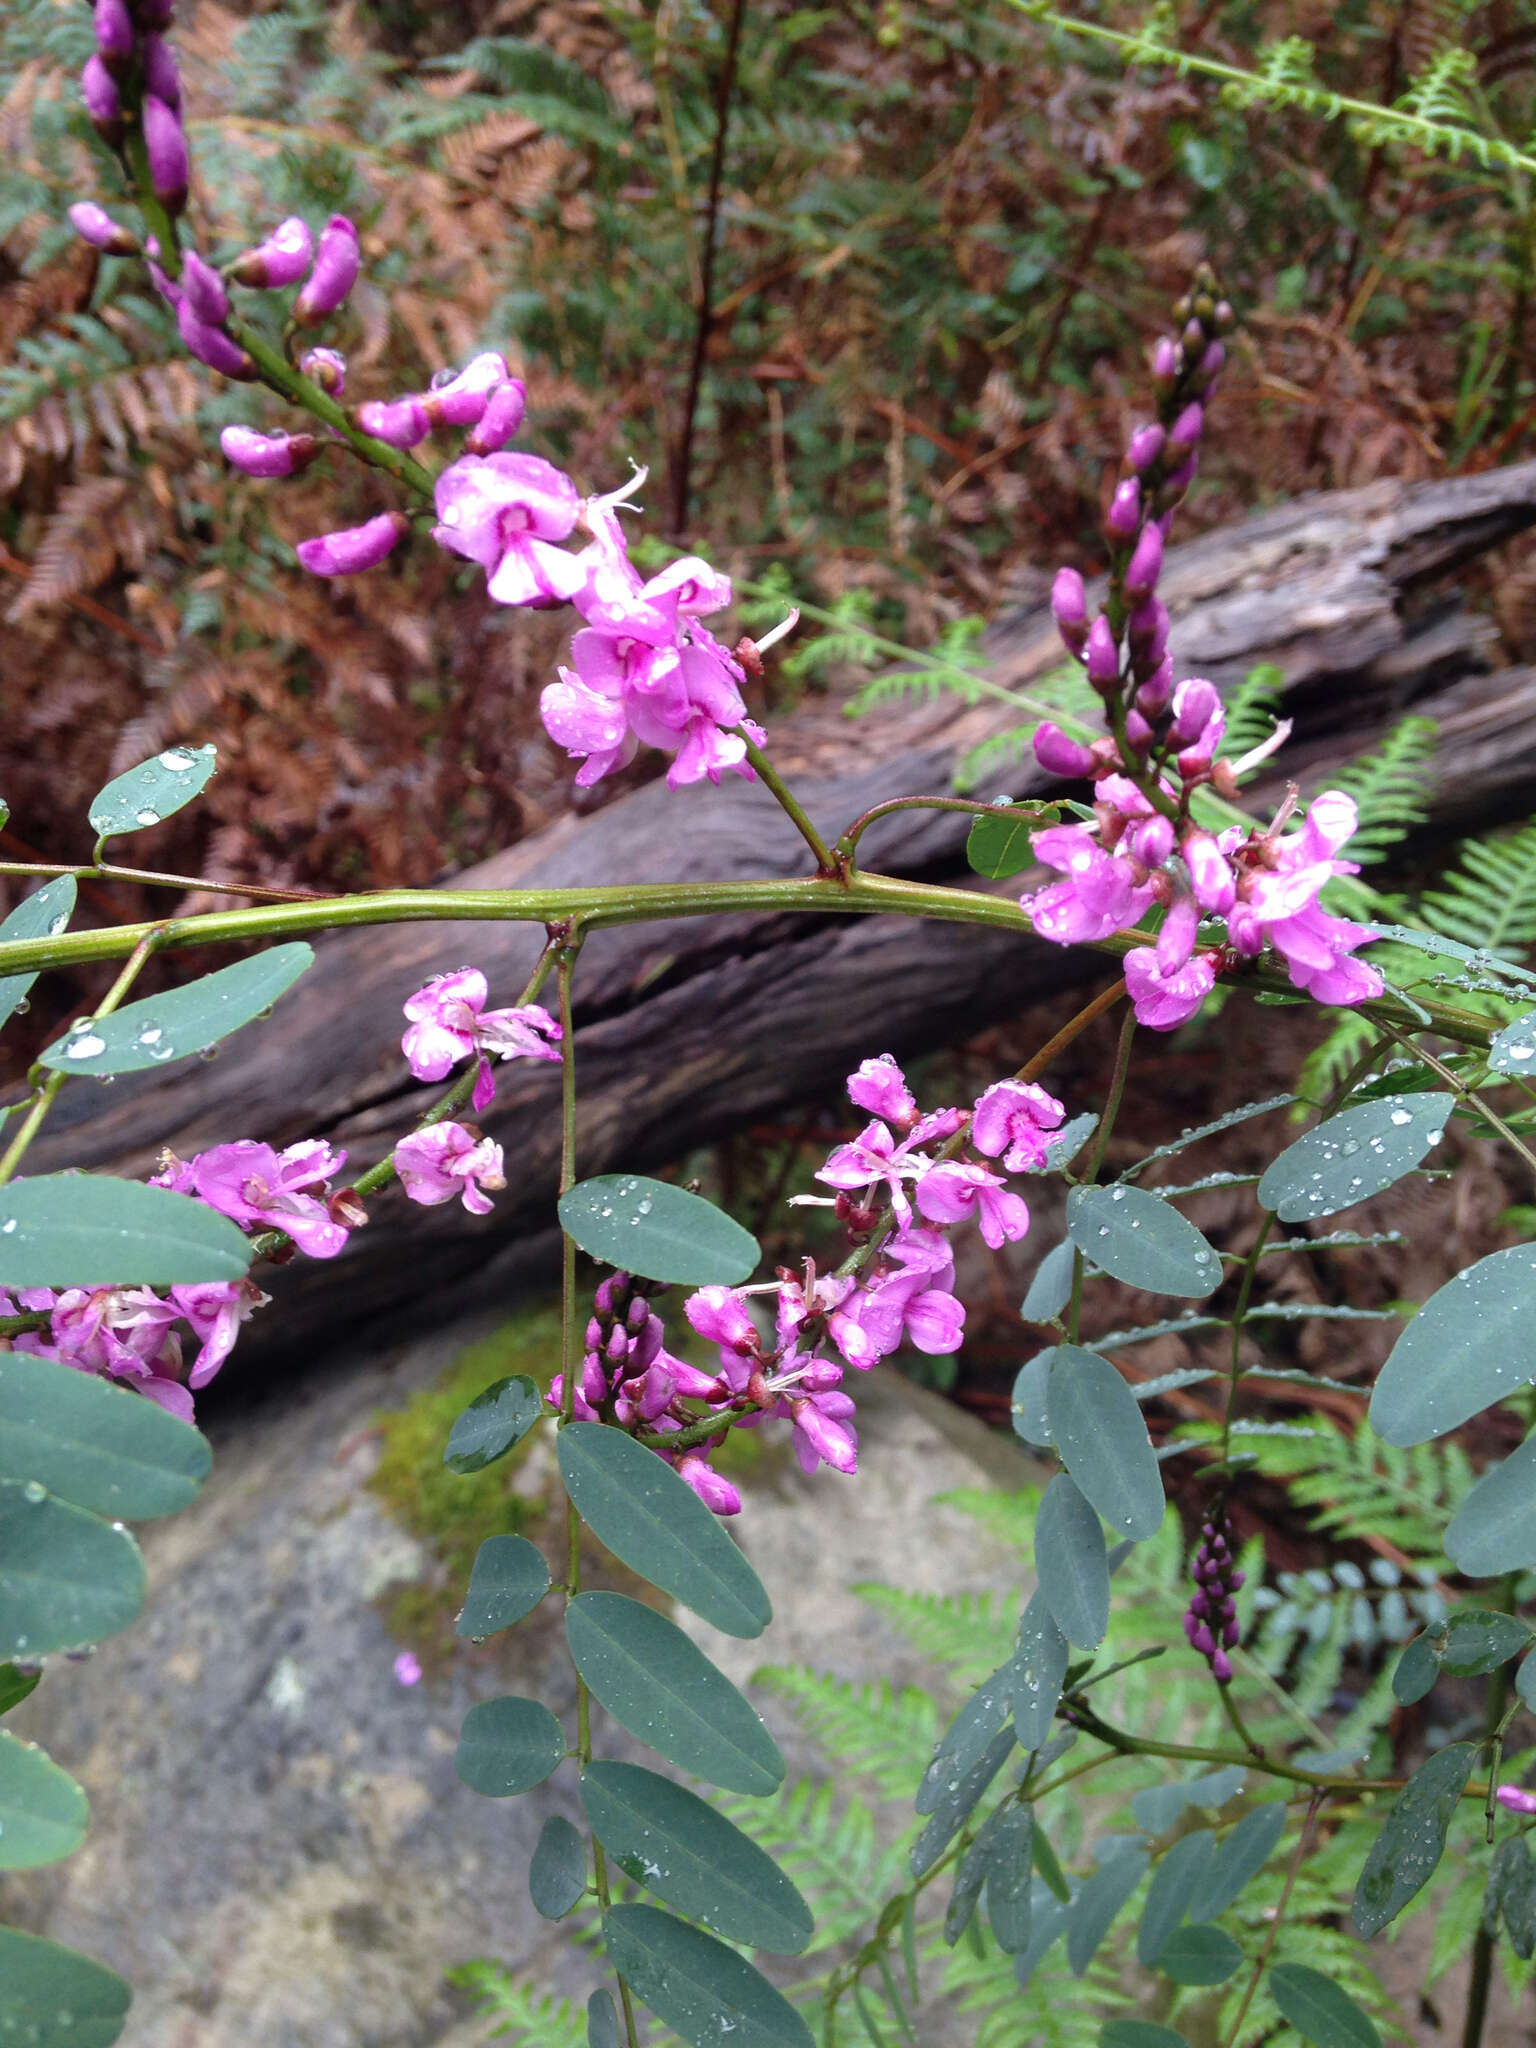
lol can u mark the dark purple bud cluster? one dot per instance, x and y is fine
(1211, 1621)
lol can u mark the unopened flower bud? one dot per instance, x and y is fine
(1147, 628)
(638, 1314)
(1103, 655)
(1060, 755)
(1137, 731)
(165, 145)
(1223, 319)
(1150, 840)
(98, 88)
(1144, 447)
(616, 1350)
(353, 548)
(503, 415)
(93, 224)
(458, 398)
(1515, 1800)
(1221, 1666)
(593, 1337)
(1208, 369)
(161, 76)
(402, 422)
(604, 1301)
(211, 345)
(1167, 362)
(115, 35)
(1069, 608)
(1155, 690)
(326, 367)
(1195, 703)
(204, 290)
(1210, 876)
(1192, 339)
(1124, 514)
(267, 454)
(1176, 484)
(1185, 431)
(337, 261)
(1144, 567)
(281, 259)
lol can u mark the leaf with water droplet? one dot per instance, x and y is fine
(499, 1417)
(1511, 1895)
(508, 1745)
(66, 1577)
(1027, 1408)
(696, 1985)
(1494, 1529)
(53, 1997)
(1416, 1671)
(557, 1875)
(92, 1230)
(184, 1020)
(956, 1801)
(1353, 1156)
(1038, 1668)
(1468, 1346)
(1513, 1050)
(1199, 1955)
(152, 791)
(1404, 1856)
(1239, 1860)
(999, 847)
(1479, 1639)
(95, 1444)
(1138, 1238)
(1098, 1428)
(508, 1580)
(1010, 1870)
(659, 1231)
(41, 915)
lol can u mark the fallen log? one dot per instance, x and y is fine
(688, 1029)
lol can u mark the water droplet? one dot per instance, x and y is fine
(34, 1491)
(85, 1047)
(151, 1034)
(21, 1008)
(1117, 1194)
(8, 1225)
(1401, 1117)
(176, 761)
(209, 1052)
(147, 817)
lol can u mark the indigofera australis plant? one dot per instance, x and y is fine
(111, 1282)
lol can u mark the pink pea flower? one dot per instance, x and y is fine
(879, 1086)
(267, 455)
(1059, 754)
(407, 1669)
(955, 1189)
(506, 512)
(590, 726)
(1515, 1800)
(1210, 874)
(720, 1317)
(503, 415)
(95, 225)
(1100, 895)
(211, 345)
(326, 367)
(401, 422)
(103, 104)
(352, 549)
(338, 258)
(1165, 998)
(460, 399)
(450, 1159)
(909, 1301)
(1013, 1120)
(449, 1022)
(715, 1492)
(215, 1310)
(253, 1185)
(823, 1435)
(1278, 902)
(874, 1159)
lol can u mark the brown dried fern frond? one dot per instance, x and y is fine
(81, 544)
(472, 153)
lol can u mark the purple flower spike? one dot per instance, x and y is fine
(204, 290)
(1144, 447)
(93, 224)
(115, 37)
(1185, 431)
(1124, 515)
(337, 261)
(1167, 361)
(98, 89)
(354, 548)
(165, 144)
(281, 259)
(503, 415)
(326, 367)
(211, 345)
(161, 77)
(1060, 755)
(402, 422)
(1103, 655)
(1145, 566)
(268, 454)
(1069, 608)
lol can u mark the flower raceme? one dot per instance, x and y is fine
(448, 1022)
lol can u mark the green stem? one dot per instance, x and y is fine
(1275, 1922)
(828, 866)
(1116, 1095)
(1029, 813)
(1480, 1979)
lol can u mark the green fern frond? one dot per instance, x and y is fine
(1360, 1487)
(1488, 900)
(1327, 1064)
(969, 1633)
(1389, 785)
(540, 2020)
(831, 1847)
(1253, 710)
(887, 1736)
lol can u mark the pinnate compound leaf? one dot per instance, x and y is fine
(43, 1812)
(1073, 1564)
(1319, 2010)
(1051, 1288)
(42, 915)
(970, 1881)
(659, 1231)
(1157, 1807)
(154, 790)
(1199, 1955)
(1512, 1050)
(1039, 1670)
(52, 1997)
(94, 1444)
(508, 1580)
(1138, 1238)
(659, 1685)
(1139, 2034)
(498, 1418)
(1353, 1156)
(956, 1802)
(999, 847)
(1480, 1639)
(602, 2021)
(1094, 1910)
(1494, 1529)
(508, 1745)
(1417, 1669)
(1174, 1883)
(696, 1985)
(1467, 1347)
(1239, 1860)
(1404, 1856)
(1511, 1895)
(181, 1022)
(675, 1844)
(557, 1875)
(66, 1578)
(1099, 1430)
(91, 1230)
(1010, 1873)
(654, 1522)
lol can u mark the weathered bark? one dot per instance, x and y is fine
(688, 1029)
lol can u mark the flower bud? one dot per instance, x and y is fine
(165, 145)
(98, 89)
(1192, 339)
(1175, 485)
(1210, 876)
(326, 367)
(1185, 431)
(353, 548)
(1060, 755)
(204, 290)
(211, 345)
(458, 398)
(1124, 514)
(161, 77)
(1514, 1800)
(115, 36)
(593, 1338)
(503, 415)
(638, 1314)
(1144, 447)
(1069, 608)
(1137, 731)
(281, 259)
(1223, 319)
(1156, 688)
(1167, 362)
(1147, 628)
(268, 454)
(337, 261)
(1195, 703)
(1208, 369)
(402, 422)
(1144, 567)
(1103, 655)
(1150, 840)
(93, 224)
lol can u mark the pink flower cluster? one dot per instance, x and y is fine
(826, 1322)
(449, 1022)
(261, 1189)
(1144, 849)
